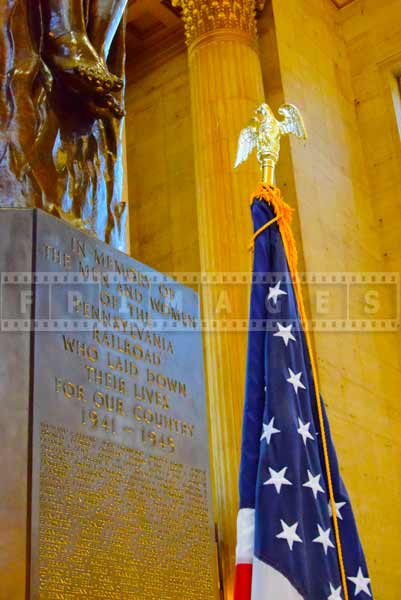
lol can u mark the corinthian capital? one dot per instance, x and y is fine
(204, 16)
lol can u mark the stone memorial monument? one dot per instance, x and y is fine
(104, 457)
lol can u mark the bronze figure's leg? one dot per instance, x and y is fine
(72, 56)
(105, 17)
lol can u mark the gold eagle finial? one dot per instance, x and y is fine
(264, 132)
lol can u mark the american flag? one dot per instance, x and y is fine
(286, 542)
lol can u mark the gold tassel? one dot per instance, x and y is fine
(272, 196)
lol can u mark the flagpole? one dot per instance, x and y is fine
(264, 133)
(268, 166)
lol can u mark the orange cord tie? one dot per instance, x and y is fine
(251, 246)
(272, 196)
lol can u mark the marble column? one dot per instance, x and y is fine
(226, 86)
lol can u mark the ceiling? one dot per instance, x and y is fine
(342, 3)
(150, 22)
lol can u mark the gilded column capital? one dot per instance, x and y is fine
(207, 16)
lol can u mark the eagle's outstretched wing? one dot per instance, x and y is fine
(293, 122)
(247, 142)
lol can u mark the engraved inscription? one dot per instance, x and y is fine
(108, 513)
(121, 496)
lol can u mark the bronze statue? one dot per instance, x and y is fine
(61, 109)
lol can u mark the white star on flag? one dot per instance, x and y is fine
(339, 506)
(277, 478)
(268, 431)
(275, 292)
(361, 583)
(313, 484)
(289, 533)
(324, 539)
(295, 380)
(335, 593)
(303, 431)
(285, 333)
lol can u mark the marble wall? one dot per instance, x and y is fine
(161, 176)
(329, 65)
(338, 66)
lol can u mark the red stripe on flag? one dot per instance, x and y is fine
(243, 581)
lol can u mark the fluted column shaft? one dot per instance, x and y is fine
(226, 86)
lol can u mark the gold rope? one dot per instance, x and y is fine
(272, 195)
(259, 231)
